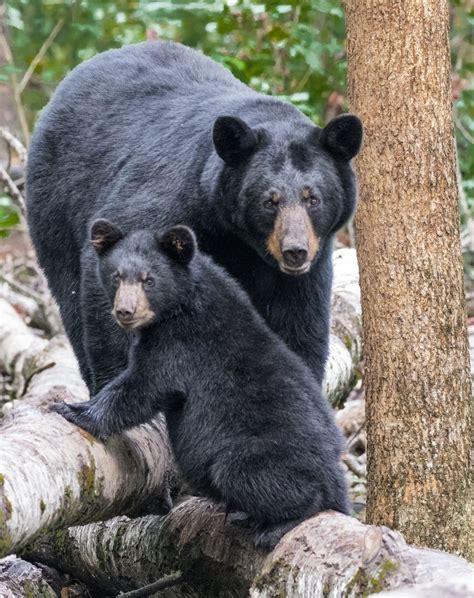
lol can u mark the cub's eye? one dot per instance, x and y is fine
(313, 201)
(149, 282)
(116, 278)
(269, 204)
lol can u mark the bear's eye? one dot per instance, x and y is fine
(149, 282)
(269, 204)
(116, 278)
(313, 201)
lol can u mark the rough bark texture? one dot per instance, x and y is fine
(416, 358)
(329, 555)
(52, 473)
(20, 578)
(28, 580)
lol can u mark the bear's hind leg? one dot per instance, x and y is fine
(263, 486)
(268, 536)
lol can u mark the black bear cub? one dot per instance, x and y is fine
(247, 422)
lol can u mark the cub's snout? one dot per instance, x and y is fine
(131, 306)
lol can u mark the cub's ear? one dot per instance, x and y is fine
(233, 139)
(104, 235)
(179, 243)
(342, 136)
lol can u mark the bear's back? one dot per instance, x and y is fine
(147, 69)
(126, 116)
(137, 84)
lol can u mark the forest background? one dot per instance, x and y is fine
(293, 50)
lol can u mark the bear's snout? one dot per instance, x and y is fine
(293, 242)
(295, 257)
(131, 306)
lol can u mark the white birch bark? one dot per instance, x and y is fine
(330, 555)
(52, 473)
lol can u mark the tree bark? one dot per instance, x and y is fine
(20, 578)
(416, 355)
(345, 342)
(328, 555)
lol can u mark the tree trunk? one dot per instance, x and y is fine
(416, 355)
(328, 555)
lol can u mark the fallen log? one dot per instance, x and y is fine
(345, 343)
(20, 578)
(328, 555)
(53, 474)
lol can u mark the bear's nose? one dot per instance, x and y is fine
(294, 257)
(124, 314)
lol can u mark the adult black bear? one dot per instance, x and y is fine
(246, 418)
(156, 134)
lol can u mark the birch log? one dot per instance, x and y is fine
(329, 555)
(345, 343)
(20, 578)
(52, 473)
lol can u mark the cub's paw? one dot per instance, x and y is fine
(69, 411)
(81, 415)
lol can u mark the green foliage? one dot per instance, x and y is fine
(292, 49)
(462, 47)
(9, 216)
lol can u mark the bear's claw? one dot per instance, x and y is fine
(79, 415)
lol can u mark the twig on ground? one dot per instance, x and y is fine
(165, 582)
(13, 190)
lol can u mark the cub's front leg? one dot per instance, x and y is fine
(122, 404)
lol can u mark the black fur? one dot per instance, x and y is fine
(129, 136)
(246, 418)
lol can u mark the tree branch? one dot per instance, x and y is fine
(13, 190)
(15, 144)
(39, 56)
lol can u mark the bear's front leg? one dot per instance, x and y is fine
(119, 406)
(98, 416)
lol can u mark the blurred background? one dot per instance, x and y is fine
(294, 50)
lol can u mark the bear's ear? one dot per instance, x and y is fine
(179, 243)
(233, 139)
(104, 235)
(342, 136)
